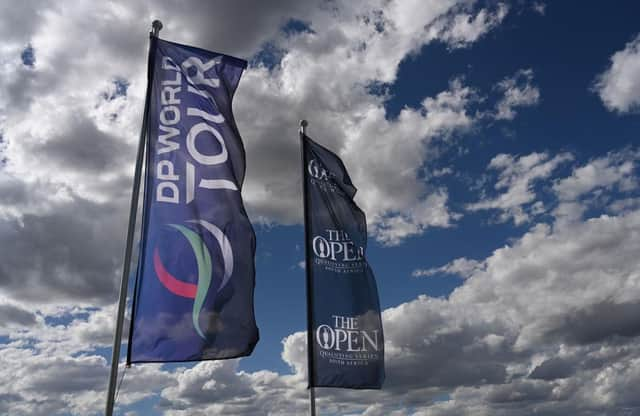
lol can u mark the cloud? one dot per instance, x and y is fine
(367, 45)
(462, 267)
(553, 369)
(66, 331)
(517, 92)
(539, 7)
(599, 322)
(549, 289)
(69, 128)
(20, 21)
(431, 212)
(63, 253)
(54, 367)
(69, 132)
(462, 29)
(554, 263)
(589, 185)
(545, 322)
(516, 338)
(614, 169)
(517, 176)
(13, 315)
(198, 384)
(518, 334)
(42, 384)
(619, 86)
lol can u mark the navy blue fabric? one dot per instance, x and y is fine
(347, 336)
(196, 273)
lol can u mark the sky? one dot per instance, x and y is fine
(494, 146)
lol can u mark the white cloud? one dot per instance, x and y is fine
(588, 183)
(579, 259)
(54, 367)
(539, 7)
(517, 91)
(431, 212)
(462, 29)
(615, 169)
(196, 386)
(548, 318)
(619, 85)
(462, 267)
(437, 173)
(70, 141)
(517, 177)
(592, 185)
(547, 323)
(353, 121)
(624, 205)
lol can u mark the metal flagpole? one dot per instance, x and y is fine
(311, 372)
(117, 338)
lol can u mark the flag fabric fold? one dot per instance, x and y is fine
(193, 298)
(345, 328)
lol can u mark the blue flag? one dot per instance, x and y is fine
(194, 290)
(345, 329)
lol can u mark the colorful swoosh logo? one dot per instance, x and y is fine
(197, 292)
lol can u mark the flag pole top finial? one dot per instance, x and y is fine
(156, 26)
(303, 126)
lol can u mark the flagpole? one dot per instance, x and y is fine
(117, 338)
(311, 372)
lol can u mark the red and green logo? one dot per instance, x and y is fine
(198, 292)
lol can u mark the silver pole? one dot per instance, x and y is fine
(312, 401)
(124, 282)
(312, 393)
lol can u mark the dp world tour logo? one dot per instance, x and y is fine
(197, 292)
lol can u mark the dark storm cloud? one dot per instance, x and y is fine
(212, 22)
(447, 361)
(70, 375)
(20, 88)
(10, 314)
(13, 191)
(553, 369)
(20, 19)
(71, 252)
(85, 148)
(438, 356)
(520, 391)
(599, 322)
(6, 399)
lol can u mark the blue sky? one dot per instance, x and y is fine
(495, 149)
